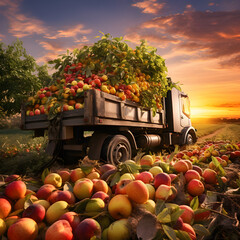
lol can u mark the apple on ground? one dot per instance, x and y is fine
(55, 211)
(88, 229)
(95, 205)
(195, 187)
(151, 191)
(5, 208)
(118, 230)
(23, 228)
(3, 227)
(106, 167)
(120, 207)
(162, 178)
(61, 229)
(189, 229)
(137, 191)
(188, 214)
(35, 211)
(121, 186)
(155, 170)
(181, 166)
(65, 175)
(45, 191)
(147, 160)
(76, 174)
(72, 217)
(164, 192)
(54, 179)
(83, 189)
(21, 201)
(16, 190)
(149, 205)
(145, 177)
(100, 185)
(192, 174)
(104, 196)
(210, 176)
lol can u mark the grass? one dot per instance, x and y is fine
(204, 129)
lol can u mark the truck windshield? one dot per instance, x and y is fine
(185, 105)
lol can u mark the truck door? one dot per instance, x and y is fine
(184, 110)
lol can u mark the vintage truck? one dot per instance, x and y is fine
(113, 130)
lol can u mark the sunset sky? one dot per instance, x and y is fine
(199, 39)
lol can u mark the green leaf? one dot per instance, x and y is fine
(27, 201)
(86, 169)
(164, 216)
(218, 165)
(80, 206)
(115, 179)
(194, 204)
(182, 235)
(169, 232)
(44, 174)
(201, 230)
(160, 205)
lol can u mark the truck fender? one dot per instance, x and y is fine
(129, 135)
(95, 145)
(184, 134)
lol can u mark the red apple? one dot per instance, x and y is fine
(210, 176)
(34, 211)
(188, 214)
(100, 194)
(60, 230)
(188, 228)
(162, 178)
(45, 191)
(24, 228)
(195, 187)
(72, 217)
(192, 174)
(5, 208)
(87, 229)
(145, 177)
(15, 190)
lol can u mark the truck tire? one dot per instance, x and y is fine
(190, 139)
(116, 149)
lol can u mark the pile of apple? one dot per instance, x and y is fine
(102, 202)
(110, 66)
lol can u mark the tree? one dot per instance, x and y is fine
(19, 76)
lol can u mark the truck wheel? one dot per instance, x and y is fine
(189, 139)
(117, 149)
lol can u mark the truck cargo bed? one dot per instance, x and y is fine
(101, 109)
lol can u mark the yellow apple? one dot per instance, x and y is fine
(55, 211)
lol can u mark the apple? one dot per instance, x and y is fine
(120, 207)
(43, 202)
(137, 191)
(95, 205)
(151, 191)
(72, 217)
(11, 220)
(164, 192)
(31, 113)
(202, 216)
(83, 189)
(61, 230)
(121, 186)
(15, 190)
(145, 177)
(88, 229)
(93, 175)
(210, 176)
(149, 205)
(76, 174)
(35, 211)
(106, 167)
(37, 111)
(5, 208)
(195, 187)
(162, 178)
(127, 176)
(155, 170)
(100, 185)
(3, 227)
(78, 106)
(55, 211)
(188, 214)
(45, 191)
(189, 229)
(147, 160)
(192, 174)
(198, 169)
(119, 230)
(80, 84)
(172, 176)
(23, 228)
(104, 196)
(178, 224)
(62, 196)
(21, 201)
(181, 166)
(12, 178)
(54, 179)
(65, 107)
(65, 175)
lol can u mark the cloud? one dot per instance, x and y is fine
(228, 105)
(149, 6)
(70, 32)
(22, 26)
(210, 34)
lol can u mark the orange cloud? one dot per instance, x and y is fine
(149, 6)
(22, 26)
(210, 34)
